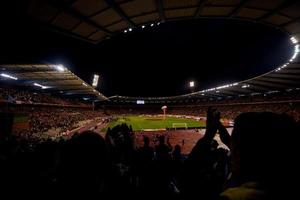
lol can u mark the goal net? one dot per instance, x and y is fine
(179, 125)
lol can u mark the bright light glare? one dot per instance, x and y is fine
(130, 29)
(245, 86)
(140, 102)
(192, 84)
(95, 80)
(143, 26)
(125, 31)
(294, 40)
(8, 76)
(60, 68)
(41, 86)
(152, 24)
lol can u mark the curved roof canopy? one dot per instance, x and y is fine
(283, 78)
(52, 78)
(96, 20)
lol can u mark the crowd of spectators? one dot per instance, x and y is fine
(259, 164)
(47, 121)
(15, 95)
(61, 119)
(230, 111)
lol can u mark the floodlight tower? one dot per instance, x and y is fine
(95, 84)
(95, 80)
(192, 85)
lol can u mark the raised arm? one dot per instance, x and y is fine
(224, 135)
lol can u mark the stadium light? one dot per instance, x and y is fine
(158, 23)
(125, 31)
(143, 26)
(294, 40)
(9, 76)
(130, 29)
(140, 102)
(60, 68)
(152, 24)
(41, 86)
(192, 84)
(95, 80)
(245, 86)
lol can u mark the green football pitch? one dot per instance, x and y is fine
(139, 123)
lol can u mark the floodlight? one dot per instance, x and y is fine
(95, 80)
(125, 31)
(192, 84)
(143, 26)
(60, 68)
(130, 29)
(140, 102)
(152, 24)
(294, 40)
(245, 86)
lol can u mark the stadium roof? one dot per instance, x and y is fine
(96, 20)
(52, 78)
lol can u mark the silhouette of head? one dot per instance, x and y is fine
(146, 141)
(84, 160)
(177, 149)
(161, 139)
(258, 142)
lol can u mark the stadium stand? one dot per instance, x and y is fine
(23, 96)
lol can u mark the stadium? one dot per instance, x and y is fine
(150, 98)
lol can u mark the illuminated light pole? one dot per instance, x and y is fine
(192, 85)
(164, 108)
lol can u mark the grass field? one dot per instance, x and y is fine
(139, 123)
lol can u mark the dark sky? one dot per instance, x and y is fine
(156, 61)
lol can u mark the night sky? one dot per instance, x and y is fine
(156, 61)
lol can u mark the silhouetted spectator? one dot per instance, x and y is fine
(263, 157)
(84, 166)
(162, 149)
